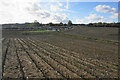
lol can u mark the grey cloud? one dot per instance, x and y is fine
(43, 14)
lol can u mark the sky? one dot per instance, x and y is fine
(56, 11)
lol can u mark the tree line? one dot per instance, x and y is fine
(100, 24)
(37, 24)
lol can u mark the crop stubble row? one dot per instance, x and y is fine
(32, 58)
(85, 64)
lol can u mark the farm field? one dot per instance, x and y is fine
(54, 56)
(104, 33)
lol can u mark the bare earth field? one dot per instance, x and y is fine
(55, 56)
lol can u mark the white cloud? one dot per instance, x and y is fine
(105, 9)
(56, 8)
(97, 18)
(67, 6)
(114, 16)
(93, 18)
(60, 4)
(61, 17)
(80, 21)
(59, 7)
(46, 16)
(20, 11)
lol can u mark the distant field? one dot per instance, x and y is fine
(41, 31)
(105, 33)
